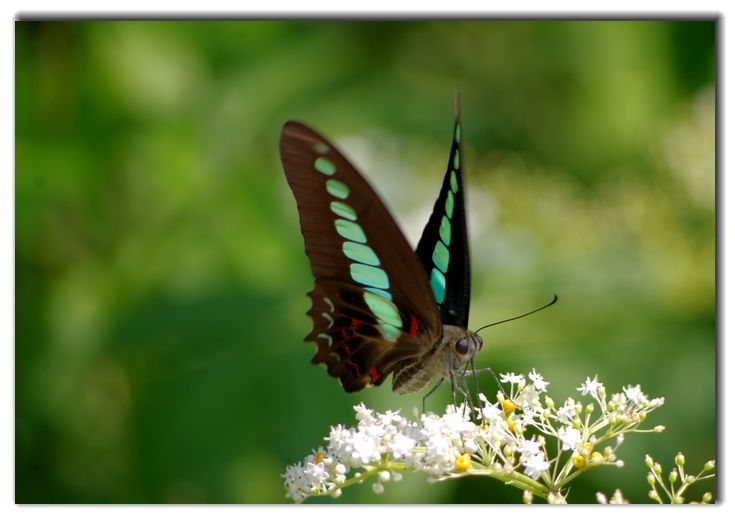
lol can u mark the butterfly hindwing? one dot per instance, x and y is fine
(443, 248)
(372, 305)
(361, 347)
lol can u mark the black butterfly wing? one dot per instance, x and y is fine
(371, 305)
(443, 248)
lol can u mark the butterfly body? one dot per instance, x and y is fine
(377, 306)
(457, 347)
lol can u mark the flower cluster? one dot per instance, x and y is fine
(522, 439)
(675, 495)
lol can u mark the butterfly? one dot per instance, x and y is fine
(378, 307)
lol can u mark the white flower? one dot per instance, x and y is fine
(634, 394)
(590, 386)
(528, 417)
(363, 413)
(365, 448)
(512, 378)
(315, 474)
(489, 412)
(535, 465)
(567, 413)
(527, 397)
(401, 445)
(570, 437)
(528, 448)
(538, 381)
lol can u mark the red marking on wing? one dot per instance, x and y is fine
(357, 368)
(355, 323)
(374, 374)
(346, 348)
(414, 326)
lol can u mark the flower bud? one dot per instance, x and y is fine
(596, 458)
(508, 407)
(653, 495)
(679, 459)
(709, 465)
(463, 462)
(657, 468)
(651, 479)
(707, 498)
(589, 408)
(649, 461)
(378, 488)
(673, 476)
(677, 500)
(384, 476)
(336, 493)
(578, 461)
(619, 463)
(549, 402)
(527, 497)
(397, 476)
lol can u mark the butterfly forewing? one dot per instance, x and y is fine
(443, 248)
(372, 305)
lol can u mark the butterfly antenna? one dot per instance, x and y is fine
(552, 302)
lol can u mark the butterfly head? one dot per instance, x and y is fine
(466, 347)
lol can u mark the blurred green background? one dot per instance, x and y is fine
(161, 274)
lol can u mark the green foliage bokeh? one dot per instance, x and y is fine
(160, 271)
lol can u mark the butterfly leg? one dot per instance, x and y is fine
(474, 371)
(433, 389)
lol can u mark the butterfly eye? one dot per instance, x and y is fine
(462, 346)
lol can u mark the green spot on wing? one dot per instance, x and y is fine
(438, 285)
(441, 257)
(327, 317)
(328, 301)
(389, 332)
(445, 230)
(380, 292)
(350, 230)
(321, 148)
(456, 159)
(456, 133)
(360, 253)
(383, 309)
(453, 182)
(449, 205)
(343, 210)
(326, 337)
(337, 189)
(371, 276)
(325, 166)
